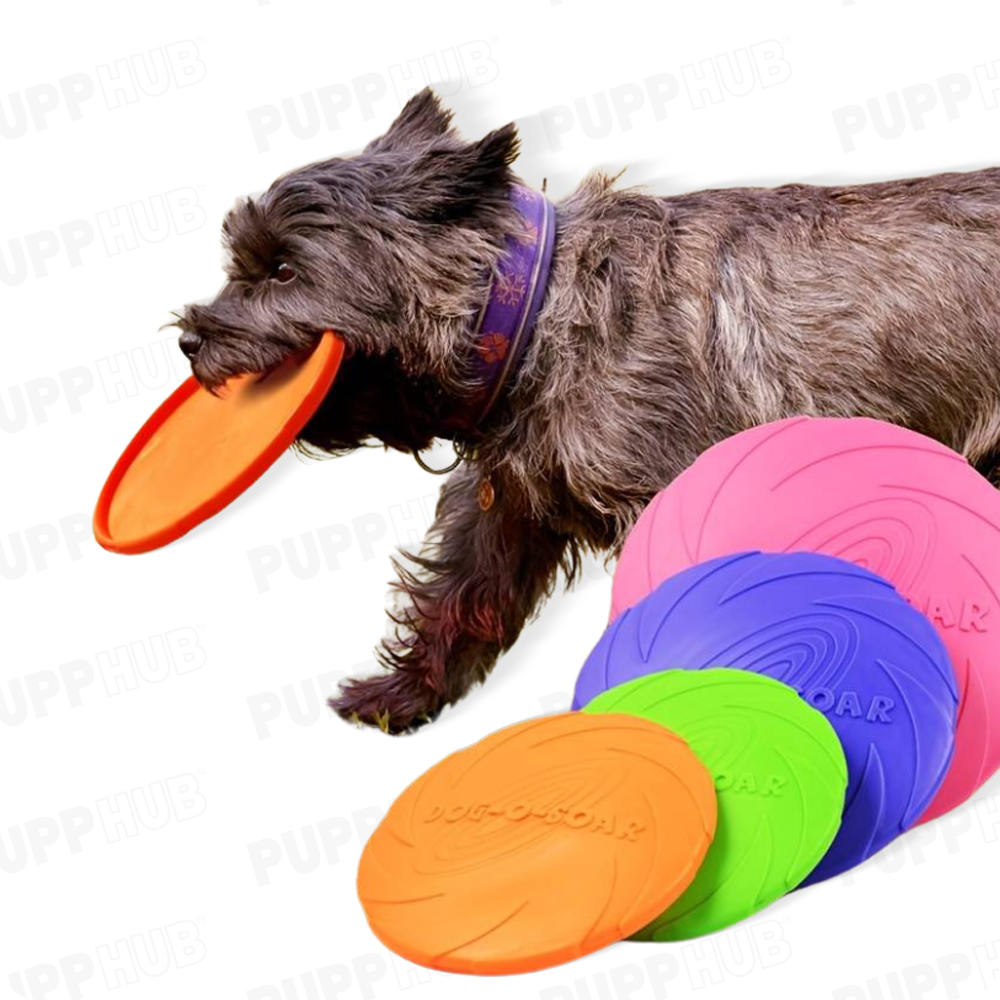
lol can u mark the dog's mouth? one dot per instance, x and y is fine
(222, 358)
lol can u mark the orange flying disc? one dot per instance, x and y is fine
(199, 452)
(541, 843)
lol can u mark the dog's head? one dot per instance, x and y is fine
(391, 249)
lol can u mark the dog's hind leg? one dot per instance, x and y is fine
(479, 577)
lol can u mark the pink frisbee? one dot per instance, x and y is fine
(893, 501)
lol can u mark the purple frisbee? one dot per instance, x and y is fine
(843, 638)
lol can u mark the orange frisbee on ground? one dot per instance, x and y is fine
(199, 452)
(541, 843)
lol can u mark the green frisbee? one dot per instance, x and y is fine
(780, 775)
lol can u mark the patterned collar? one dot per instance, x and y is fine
(506, 322)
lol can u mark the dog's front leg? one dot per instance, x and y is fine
(479, 576)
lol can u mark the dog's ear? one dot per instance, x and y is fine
(449, 181)
(422, 120)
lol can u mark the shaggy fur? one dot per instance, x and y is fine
(668, 324)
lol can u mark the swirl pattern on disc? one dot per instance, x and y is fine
(541, 843)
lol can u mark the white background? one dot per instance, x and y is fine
(238, 879)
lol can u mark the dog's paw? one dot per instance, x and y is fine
(396, 703)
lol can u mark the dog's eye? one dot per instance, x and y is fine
(283, 273)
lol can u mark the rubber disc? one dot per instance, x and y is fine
(840, 636)
(541, 843)
(199, 452)
(889, 499)
(780, 775)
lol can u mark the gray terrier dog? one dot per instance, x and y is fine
(667, 324)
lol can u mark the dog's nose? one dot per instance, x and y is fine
(190, 342)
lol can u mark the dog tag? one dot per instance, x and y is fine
(486, 494)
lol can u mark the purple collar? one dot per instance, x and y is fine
(504, 325)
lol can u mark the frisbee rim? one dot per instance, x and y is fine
(211, 506)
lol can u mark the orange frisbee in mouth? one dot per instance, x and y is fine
(199, 452)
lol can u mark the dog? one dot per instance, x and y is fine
(666, 325)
